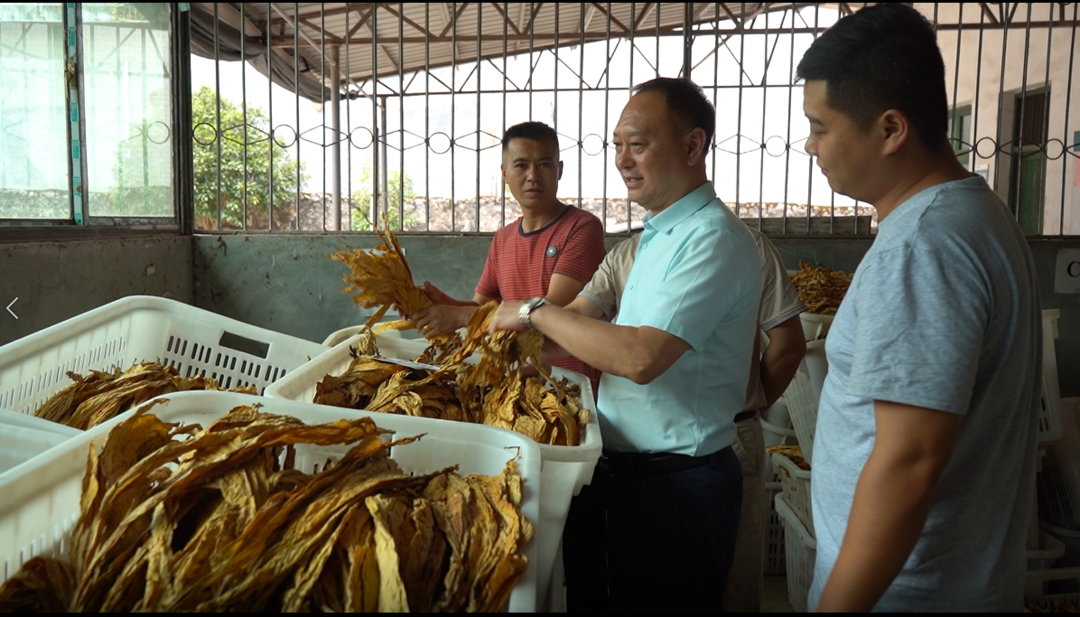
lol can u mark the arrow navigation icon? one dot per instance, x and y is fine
(11, 311)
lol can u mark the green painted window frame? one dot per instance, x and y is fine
(961, 143)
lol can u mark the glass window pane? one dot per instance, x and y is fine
(33, 123)
(128, 110)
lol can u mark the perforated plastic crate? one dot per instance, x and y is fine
(775, 559)
(146, 328)
(815, 326)
(19, 444)
(802, 406)
(796, 485)
(346, 333)
(1040, 592)
(801, 551)
(41, 504)
(565, 469)
(22, 420)
(1050, 429)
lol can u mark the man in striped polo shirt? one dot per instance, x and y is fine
(551, 251)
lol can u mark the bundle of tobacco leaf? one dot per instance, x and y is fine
(182, 518)
(492, 392)
(821, 289)
(101, 396)
(489, 392)
(794, 454)
(382, 278)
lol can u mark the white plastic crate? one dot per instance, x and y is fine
(1050, 548)
(1036, 592)
(1050, 429)
(801, 551)
(351, 331)
(22, 420)
(777, 435)
(796, 484)
(41, 504)
(802, 406)
(19, 444)
(815, 326)
(565, 469)
(146, 328)
(775, 561)
(816, 366)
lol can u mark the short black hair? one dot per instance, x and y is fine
(686, 104)
(530, 130)
(879, 58)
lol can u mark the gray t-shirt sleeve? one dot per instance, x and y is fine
(922, 317)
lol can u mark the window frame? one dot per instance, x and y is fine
(956, 133)
(81, 224)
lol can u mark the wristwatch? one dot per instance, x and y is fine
(525, 312)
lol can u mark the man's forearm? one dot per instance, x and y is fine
(892, 500)
(619, 350)
(781, 358)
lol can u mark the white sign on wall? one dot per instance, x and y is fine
(1067, 273)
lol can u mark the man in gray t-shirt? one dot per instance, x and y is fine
(933, 319)
(924, 456)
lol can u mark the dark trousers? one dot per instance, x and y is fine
(653, 542)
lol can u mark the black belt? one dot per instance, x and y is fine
(633, 464)
(746, 415)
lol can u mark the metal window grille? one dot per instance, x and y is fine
(402, 107)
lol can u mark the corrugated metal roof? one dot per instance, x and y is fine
(412, 36)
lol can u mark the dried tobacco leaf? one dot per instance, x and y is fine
(101, 396)
(821, 289)
(42, 585)
(181, 518)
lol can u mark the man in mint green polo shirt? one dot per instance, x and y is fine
(675, 361)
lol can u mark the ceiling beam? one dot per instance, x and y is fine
(731, 16)
(405, 19)
(613, 20)
(588, 17)
(453, 20)
(381, 46)
(643, 14)
(323, 33)
(360, 23)
(672, 30)
(532, 18)
(521, 20)
(989, 14)
(506, 18)
(335, 69)
(351, 6)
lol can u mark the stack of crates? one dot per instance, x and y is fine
(564, 469)
(119, 334)
(42, 499)
(790, 501)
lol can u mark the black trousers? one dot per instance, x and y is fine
(653, 542)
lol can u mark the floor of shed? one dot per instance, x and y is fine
(774, 597)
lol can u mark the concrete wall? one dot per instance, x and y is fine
(57, 280)
(288, 282)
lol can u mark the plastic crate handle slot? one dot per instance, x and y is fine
(244, 344)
